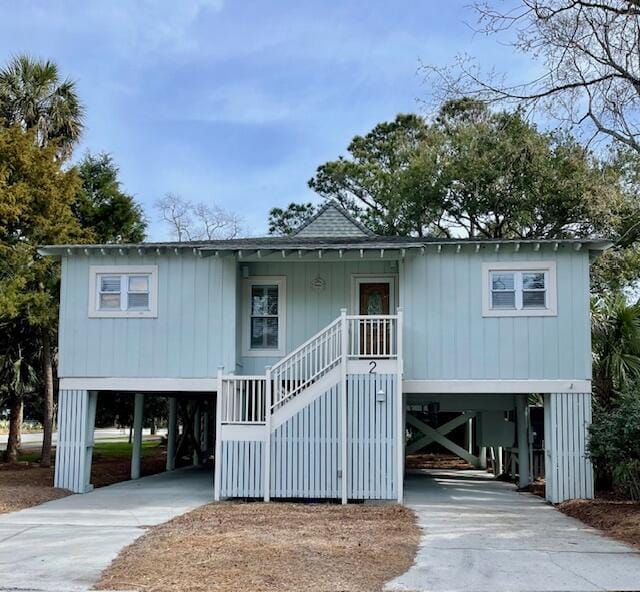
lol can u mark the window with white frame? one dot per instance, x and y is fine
(525, 288)
(263, 314)
(123, 291)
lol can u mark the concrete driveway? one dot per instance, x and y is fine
(64, 545)
(482, 535)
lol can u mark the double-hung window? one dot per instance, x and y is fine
(123, 291)
(263, 312)
(519, 289)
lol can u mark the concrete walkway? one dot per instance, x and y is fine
(65, 544)
(480, 534)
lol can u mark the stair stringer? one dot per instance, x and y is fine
(305, 398)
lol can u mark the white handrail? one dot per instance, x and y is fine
(252, 399)
(302, 346)
(372, 336)
(306, 364)
(243, 399)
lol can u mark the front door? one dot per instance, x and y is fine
(375, 298)
(375, 334)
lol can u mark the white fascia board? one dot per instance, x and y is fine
(138, 384)
(244, 432)
(497, 386)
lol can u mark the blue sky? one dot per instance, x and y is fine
(237, 102)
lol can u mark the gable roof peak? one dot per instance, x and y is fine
(332, 221)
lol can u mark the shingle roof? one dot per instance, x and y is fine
(332, 220)
(309, 243)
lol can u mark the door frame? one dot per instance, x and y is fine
(381, 278)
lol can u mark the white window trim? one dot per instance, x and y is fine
(549, 267)
(247, 283)
(357, 279)
(97, 270)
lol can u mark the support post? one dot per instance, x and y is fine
(469, 436)
(217, 457)
(344, 334)
(197, 434)
(267, 437)
(171, 433)
(400, 411)
(205, 430)
(483, 457)
(522, 413)
(136, 453)
(92, 405)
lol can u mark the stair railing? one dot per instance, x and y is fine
(243, 399)
(306, 364)
(251, 399)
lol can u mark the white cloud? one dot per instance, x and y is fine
(133, 28)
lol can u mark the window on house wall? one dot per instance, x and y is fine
(123, 291)
(264, 316)
(519, 289)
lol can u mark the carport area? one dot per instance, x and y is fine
(189, 418)
(480, 534)
(522, 436)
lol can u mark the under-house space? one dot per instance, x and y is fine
(188, 437)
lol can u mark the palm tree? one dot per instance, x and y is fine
(615, 330)
(33, 96)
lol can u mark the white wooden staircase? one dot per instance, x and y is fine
(250, 409)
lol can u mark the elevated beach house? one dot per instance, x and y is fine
(310, 354)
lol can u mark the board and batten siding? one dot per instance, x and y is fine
(190, 337)
(74, 448)
(446, 336)
(242, 465)
(371, 433)
(305, 451)
(308, 310)
(568, 469)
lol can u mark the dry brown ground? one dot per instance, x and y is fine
(23, 485)
(618, 519)
(284, 547)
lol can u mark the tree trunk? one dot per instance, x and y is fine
(15, 429)
(47, 422)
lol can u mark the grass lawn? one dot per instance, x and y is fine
(284, 547)
(25, 484)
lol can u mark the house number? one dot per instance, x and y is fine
(372, 367)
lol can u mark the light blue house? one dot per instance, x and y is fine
(311, 353)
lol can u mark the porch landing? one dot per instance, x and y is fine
(64, 545)
(481, 534)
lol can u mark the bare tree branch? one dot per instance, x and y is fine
(176, 212)
(589, 51)
(189, 221)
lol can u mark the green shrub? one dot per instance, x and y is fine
(614, 444)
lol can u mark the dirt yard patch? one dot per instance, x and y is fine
(617, 519)
(26, 484)
(284, 547)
